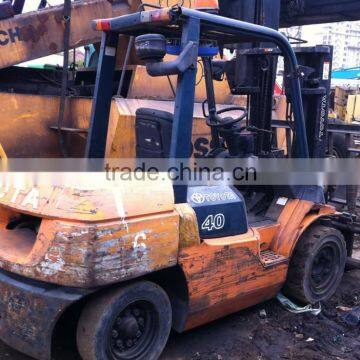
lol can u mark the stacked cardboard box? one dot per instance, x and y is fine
(347, 104)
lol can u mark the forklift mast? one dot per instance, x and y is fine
(294, 12)
(254, 76)
(307, 12)
(316, 66)
(253, 72)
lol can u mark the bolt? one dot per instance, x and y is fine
(129, 343)
(120, 344)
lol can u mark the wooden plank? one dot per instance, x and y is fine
(350, 108)
(36, 34)
(357, 108)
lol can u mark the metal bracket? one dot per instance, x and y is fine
(186, 60)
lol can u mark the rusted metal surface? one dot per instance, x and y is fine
(297, 216)
(29, 312)
(101, 202)
(25, 126)
(188, 226)
(226, 278)
(32, 35)
(26, 130)
(222, 275)
(227, 275)
(90, 238)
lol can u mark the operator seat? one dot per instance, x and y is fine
(220, 210)
(153, 133)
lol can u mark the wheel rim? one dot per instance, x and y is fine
(324, 267)
(336, 153)
(134, 331)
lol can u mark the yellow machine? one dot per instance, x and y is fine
(36, 132)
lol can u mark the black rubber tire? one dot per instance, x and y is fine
(339, 142)
(99, 316)
(300, 283)
(340, 148)
(352, 192)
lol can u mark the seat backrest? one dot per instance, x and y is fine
(153, 133)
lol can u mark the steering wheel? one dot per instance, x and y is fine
(226, 121)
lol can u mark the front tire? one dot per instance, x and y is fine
(317, 265)
(126, 323)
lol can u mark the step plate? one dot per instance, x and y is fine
(268, 258)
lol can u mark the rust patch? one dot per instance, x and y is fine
(217, 275)
(89, 255)
(59, 18)
(43, 18)
(29, 314)
(31, 33)
(53, 46)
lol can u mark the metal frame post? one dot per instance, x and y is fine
(267, 35)
(210, 92)
(99, 122)
(184, 106)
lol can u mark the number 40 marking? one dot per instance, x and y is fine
(213, 222)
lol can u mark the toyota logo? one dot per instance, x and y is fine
(197, 198)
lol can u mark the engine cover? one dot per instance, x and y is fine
(220, 211)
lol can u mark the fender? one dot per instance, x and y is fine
(302, 214)
(311, 217)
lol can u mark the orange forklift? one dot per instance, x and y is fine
(124, 265)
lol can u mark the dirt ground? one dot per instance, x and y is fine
(278, 335)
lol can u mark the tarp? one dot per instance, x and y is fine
(347, 74)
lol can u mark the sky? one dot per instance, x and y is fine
(32, 4)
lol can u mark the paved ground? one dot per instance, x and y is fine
(280, 335)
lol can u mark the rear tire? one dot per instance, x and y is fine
(340, 150)
(317, 265)
(126, 323)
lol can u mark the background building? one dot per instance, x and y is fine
(344, 36)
